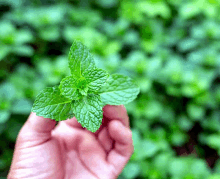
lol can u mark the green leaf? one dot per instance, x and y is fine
(88, 112)
(80, 60)
(68, 88)
(4, 51)
(4, 116)
(51, 104)
(178, 167)
(82, 85)
(145, 148)
(132, 170)
(21, 106)
(23, 50)
(51, 33)
(7, 91)
(96, 79)
(81, 94)
(195, 112)
(119, 89)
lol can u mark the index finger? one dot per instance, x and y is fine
(110, 113)
(116, 113)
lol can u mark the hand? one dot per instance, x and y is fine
(68, 151)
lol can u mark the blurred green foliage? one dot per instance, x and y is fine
(171, 48)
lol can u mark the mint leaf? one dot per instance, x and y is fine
(96, 79)
(80, 60)
(69, 88)
(119, 89)
(88, 111)
(82, 85)
(51, 104)
(85, 92)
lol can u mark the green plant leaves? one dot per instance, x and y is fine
(85, 92)
(119, 89)
(51, 104)
(21, 106)
(4, 116)
(68, 88)
(80, 60)
(88, 112)
(96, 79)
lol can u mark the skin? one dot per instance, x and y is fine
(45, 150)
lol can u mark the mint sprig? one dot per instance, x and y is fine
(85, 92)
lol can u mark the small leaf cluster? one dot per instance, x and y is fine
(84, 93)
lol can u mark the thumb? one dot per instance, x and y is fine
(35, 131)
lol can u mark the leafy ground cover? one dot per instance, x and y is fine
(170, 48)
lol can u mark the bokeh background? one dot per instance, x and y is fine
(170, 47)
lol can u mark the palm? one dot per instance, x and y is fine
(82, 152)
(70, 151)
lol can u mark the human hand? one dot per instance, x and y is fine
(68, 151)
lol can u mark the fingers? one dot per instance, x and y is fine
(71, 137)
(93, 156)
(105, 139)
(116, 113)
(123, 148)
(72, 123)
(109, 113)
(35, 131)
(113, 113)
(89, 151)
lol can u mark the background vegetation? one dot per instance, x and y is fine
(170, 47)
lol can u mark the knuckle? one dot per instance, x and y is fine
(129, 134)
